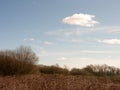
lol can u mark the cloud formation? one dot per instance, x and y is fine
(107, 29)
(29, 39)
(62, 58)
(110, 41)
(66, 32)
(84, 20)
(47, 43)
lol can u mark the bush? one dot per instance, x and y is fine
(102, 70)
(53, 70)
(25, 54)
(17, 62)
(76, 71)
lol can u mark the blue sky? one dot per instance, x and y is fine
(75, 33)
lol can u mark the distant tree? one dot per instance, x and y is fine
(102, 70)
(76, 71)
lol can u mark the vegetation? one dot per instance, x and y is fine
(23, 61)
(58, 82)
(54, 69)
(15, 64)
(102, 70)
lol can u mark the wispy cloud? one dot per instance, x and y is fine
(62, 58)
(110, 41)
(66, 32)
(72, 59)
(29, 39)
(107, 29)
(81, 31)
(82, 62)
(69, 53)
(72, 40)
(37, 41)
(84, 20)
(48, 43)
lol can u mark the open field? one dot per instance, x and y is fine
(19, 71)
(58, 82)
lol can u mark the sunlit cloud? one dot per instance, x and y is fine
(62, 58)
(84, 20)
(110, 41)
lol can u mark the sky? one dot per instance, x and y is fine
(72, 33)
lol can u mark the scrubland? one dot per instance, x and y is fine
(19, 71)
(58, 82)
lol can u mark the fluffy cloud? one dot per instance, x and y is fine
(84, 20)
(110, 41)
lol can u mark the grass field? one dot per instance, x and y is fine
(58, 82)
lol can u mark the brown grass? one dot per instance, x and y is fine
(58, 82)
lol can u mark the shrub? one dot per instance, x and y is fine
(53, 70)
(17, 62)
(102, 70)
(76, 71)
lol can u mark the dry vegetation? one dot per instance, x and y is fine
(18, 71)
(58, 82)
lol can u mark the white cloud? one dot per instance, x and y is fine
(110, 41)
(72, 40)
(84, 20)
(80, 58)
(81, 62)
(69, 53)
(47, 43)
(66, 32)
(62, 58)
(107, 29)
(29, 39)
(83, 31)
(38, 42)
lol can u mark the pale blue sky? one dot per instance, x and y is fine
(68, 32)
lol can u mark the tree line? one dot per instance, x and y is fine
(23, 61)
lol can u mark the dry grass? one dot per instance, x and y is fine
(58, 82)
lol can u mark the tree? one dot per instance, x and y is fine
(18, 61)
(26, 54)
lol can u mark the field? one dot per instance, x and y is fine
(19, 71)
(58, 82)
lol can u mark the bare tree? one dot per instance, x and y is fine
(25, 54)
